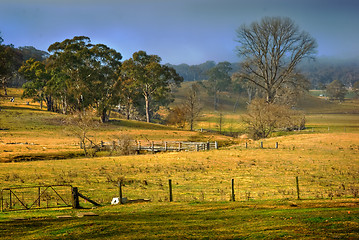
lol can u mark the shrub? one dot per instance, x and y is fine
(263, 118)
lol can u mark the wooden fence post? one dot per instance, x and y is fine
(208, 146)
(75, 198)
(246, 144)
(179, 146)
(10, 200)
(139, 145)
(113, 145)
(216, 145)
(39, 194)
(276, 145)
(165, 146)
(120, 191)
(2, 201)
(197, 148)
(153, 147)
(297, 183)
(233, 196)
(170, 188)
(261, 145)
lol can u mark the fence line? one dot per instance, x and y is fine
(182, 189)
(164, 146)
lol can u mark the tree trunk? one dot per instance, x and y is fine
(48, 103)
(215, 100)
(128, 111)
(105, 115)
(147, 108)
(270, 96)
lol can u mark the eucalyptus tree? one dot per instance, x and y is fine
(10, 61)
(270, 51)
(151, 79)
(91, 74)
(37, 78)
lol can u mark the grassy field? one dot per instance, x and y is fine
(324, 157)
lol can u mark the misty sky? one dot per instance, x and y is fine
(179, 31)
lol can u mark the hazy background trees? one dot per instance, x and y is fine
(336, 91)
(218, 81)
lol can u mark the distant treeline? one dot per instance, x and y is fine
(198, 72)
(320, 72)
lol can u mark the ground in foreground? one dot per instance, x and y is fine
(308, 219)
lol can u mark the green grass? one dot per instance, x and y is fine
(235, 220)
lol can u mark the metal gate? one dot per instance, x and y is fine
(24, 198)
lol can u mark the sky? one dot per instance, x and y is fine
(179, 31)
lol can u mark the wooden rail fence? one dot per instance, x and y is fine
(164, 146)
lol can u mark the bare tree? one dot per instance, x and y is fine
(80, 125)
(192, 105)
(271, 49)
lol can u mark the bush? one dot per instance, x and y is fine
(126, 145)
(263, 118)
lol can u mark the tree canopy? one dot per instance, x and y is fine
(271, 49)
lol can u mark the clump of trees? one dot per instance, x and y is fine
(80, 75)
(336, 91)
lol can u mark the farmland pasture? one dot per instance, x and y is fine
(326, 162)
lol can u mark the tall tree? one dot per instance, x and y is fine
(218, 80)
(271, 49)
(152, 79)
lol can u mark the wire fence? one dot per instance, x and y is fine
(187, 189)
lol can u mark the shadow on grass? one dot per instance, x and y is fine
(140, 125)
(22, 108)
